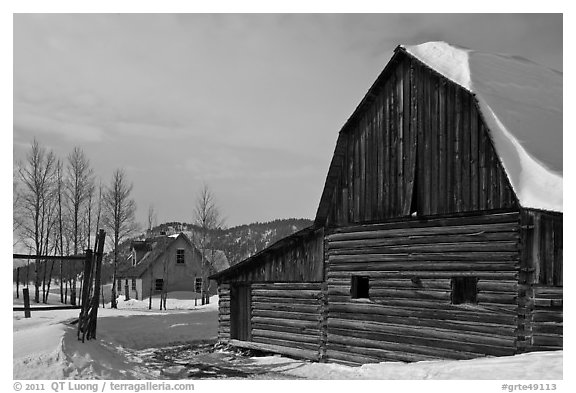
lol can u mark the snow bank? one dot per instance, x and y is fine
(530, 366)
(46, 345)
(521, 103)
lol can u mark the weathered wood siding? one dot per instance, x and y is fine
(545, 319)
(223, 312)
(540, 315)
(289, 317)
(294, 259)
(415, 133)
(542, 255)
(240, 312)
(410, 265)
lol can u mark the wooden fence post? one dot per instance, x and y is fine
(84, 305)
(18, 283)
(26, 295)
(97, 283)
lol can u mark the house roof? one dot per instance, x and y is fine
(158, 245)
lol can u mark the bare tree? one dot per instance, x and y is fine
(36, 194)
(60, 219)
(151, 217)
(78, 186)
(49, 247)
(207, 218)
(119, 217)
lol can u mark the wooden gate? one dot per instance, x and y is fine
(240, 312)
(90, 289)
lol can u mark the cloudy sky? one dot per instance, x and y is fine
(249, 104)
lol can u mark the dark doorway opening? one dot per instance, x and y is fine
(240, 314)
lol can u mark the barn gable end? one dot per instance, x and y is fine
(416, 144)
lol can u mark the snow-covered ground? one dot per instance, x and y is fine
(529, 366)
(46, 347)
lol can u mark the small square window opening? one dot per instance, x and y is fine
(464, 290)
(360, 287)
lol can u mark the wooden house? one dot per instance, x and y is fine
(170, 263)
(439, 230)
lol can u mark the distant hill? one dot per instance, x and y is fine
(245, 240)
(240, 242)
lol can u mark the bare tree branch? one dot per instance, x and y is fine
(119, 216)
(151, 217)
(78, 185)
(36, 198)
(207, 217)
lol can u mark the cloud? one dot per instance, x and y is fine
(72, 129)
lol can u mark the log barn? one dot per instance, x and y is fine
(439, 230)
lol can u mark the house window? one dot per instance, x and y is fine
(360, 287)
(198, 284)
(133, 284)
(120, 285)
(464, 290)
(180, 255)
(159, 285)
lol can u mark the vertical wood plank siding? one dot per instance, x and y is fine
(541, 261)
(410, 264)
(293, 259)
(418, 128)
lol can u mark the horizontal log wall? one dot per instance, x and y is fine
(223, 312)
(544, 319)
(416, 133)
(410, 265)
(294, 259)
(289, 316)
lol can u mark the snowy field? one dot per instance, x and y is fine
(136, 343)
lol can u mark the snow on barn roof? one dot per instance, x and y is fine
(521, 103)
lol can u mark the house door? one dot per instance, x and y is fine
(240, 313)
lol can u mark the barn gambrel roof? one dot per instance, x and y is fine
(521, 103)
